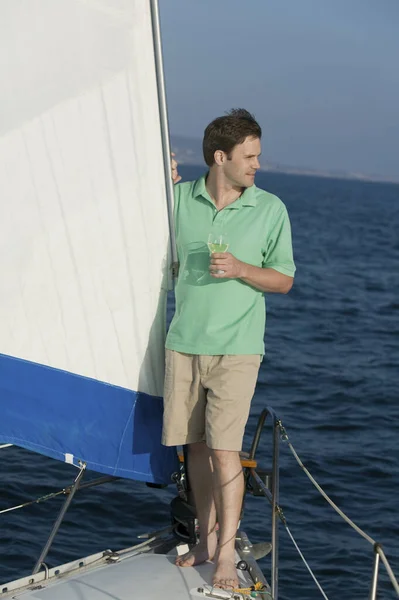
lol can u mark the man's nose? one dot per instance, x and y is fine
(256, 164)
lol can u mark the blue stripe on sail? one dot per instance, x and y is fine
(114, 430)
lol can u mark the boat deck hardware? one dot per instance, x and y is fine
(262, 482)
(59, 519)
(279, 432)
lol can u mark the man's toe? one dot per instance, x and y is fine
(225, 584)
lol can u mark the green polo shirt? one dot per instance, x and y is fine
(225, 316)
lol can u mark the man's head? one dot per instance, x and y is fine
(232, 144)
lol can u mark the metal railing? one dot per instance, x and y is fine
(277, 512)
(378, 551)
(274, 495)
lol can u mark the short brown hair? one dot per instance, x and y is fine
(224, 133)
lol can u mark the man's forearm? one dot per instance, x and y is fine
(266, 280)
(223, 265)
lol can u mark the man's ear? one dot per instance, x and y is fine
(219, 157)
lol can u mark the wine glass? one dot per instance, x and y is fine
(218, 242)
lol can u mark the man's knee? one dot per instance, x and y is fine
(224, 457)
(197, 448)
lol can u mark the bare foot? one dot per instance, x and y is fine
(198, 554)
(225, 575)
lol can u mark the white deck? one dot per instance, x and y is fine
(141, 576)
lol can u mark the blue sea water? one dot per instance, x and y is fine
(331, 372)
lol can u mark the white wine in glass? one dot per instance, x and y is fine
(218, 242)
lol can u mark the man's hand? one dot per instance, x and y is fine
(262, 279)
(175, 175)
(230, 265)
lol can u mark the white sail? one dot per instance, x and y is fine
(83, 218)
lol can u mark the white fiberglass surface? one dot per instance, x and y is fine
(146, 577)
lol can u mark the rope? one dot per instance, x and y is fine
(305, 562)
(377, 546)
(323, 493)
(282, 518)
(253, 591)
(41, 499)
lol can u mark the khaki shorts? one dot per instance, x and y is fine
(207, 398)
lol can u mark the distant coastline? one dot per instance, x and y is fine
(189, 152)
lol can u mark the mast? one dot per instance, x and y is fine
(163, 115)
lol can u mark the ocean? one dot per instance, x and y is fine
(331, 372)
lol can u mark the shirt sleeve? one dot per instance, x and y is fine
(278, 254)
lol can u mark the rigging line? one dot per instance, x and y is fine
(322, 492)
(391, 574)
(306, 564)
(378, 547)
(155, 535)
(41, 499)
(67, 490)
(282, 518)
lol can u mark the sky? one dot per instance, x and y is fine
(321, 76)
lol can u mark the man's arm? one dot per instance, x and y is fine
(263, 279)
(267, 280)
(277, 271)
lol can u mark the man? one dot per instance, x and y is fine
(215, 342)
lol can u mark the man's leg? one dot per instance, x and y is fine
(228, 489)
(200, 469)
(225, 486)
(230, 383)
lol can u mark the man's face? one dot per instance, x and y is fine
(243, 163)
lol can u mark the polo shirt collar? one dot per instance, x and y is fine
(247, 198)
